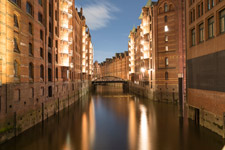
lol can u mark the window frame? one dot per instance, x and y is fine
(211, 25)
(201, 32)
(29, 8)
(193, 37)
(220, 21)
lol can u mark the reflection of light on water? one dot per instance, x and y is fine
(223, 148)
(143, 130)
(92, 122)
(132, 125)
(84, 133)
(67, 145)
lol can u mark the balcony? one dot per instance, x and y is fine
(70, 2)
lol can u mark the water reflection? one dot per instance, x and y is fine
(111, 120)
(132, 125)
(143, 129)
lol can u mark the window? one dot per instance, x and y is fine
(29, 8)
(41, 35)
(212, 3)
(16, 48)
(193, 37)
(50, 27)
(210, 27)
(202, 8)
(31, 71)
(49, 74)
(166, 75)
(40, 17)
(199, 10)
(166, 29)
(30, 49)
(40, 2)
(56, 15)
(166, 61)
(50, 91)
(165, 7)
(16, 24)
(17, 2)
(56, 58)
(166, 48)
(56, 73)
(165, 18)
(41, 53)
(201, 33)
(208, 4)
(222, 21)
(49, 58)
(30, 28)
(50, 10)
(49, 42)
(166, 38)
(16, 68)
(42, 72)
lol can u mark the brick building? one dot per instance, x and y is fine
(40, 61)
(118, 66)
(205, 62)
(157, 49)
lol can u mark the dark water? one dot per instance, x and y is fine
(111, 120)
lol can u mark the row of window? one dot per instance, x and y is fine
(200, 9)
(210, 25)
(31, 71)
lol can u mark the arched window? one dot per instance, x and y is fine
(165, 7)
(42, 72)
(165, 18)
(166, 75)
(16, 68)
(16, 24)
(31, 71)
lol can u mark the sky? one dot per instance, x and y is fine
(110, 22)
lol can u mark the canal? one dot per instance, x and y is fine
(112, 120)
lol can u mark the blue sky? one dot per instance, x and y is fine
(110, 22)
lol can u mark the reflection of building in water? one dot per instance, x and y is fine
(143, 143)
(67, 145)
(108, 90)
(84, 133)
(88, 127)
(92, 122)
(132, 126)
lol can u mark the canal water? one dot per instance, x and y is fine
(112, 120)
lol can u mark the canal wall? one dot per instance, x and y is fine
(18, 115)
(147, 92)
(207, 119)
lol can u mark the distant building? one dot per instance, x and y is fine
(96, 70)
(117, 66)
(205, 63)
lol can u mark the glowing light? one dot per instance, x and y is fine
(144, 137)
(166, 28)
(143, 69)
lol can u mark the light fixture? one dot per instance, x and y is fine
(143, 69)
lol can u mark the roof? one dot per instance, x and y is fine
(149, 3)
(141, 16)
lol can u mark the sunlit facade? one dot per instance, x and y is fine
(40, 59)
(117, 66)
(157, 49)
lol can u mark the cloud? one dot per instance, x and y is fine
(99, 13)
